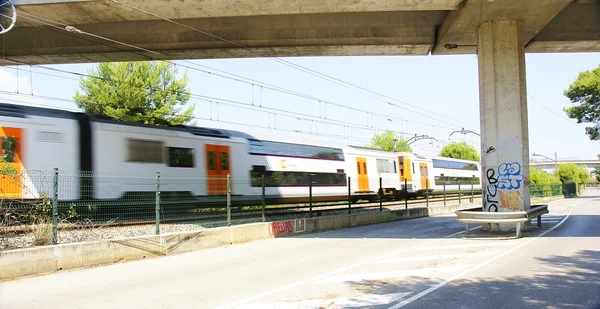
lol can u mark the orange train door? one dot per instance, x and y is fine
(424, 175)
(217, 166)
(363, 177)
(10, 150)
(405, 169)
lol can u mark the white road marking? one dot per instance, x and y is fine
(486, 244)
(443, 283)
(354, 302)
(319, 277)
(436, 257)
(392, 274)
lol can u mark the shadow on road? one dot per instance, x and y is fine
(562, 282)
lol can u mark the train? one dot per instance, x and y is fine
(38, 140)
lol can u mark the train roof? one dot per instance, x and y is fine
(22, 111)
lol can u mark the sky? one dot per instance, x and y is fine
(429, 95)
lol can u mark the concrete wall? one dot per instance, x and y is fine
(47, 259)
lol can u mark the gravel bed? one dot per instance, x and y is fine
(8, 242)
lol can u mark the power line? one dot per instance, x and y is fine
(288, 63)
(553, 112)
(208, 98)
(280, 113)
(312, 72)
(387, 117)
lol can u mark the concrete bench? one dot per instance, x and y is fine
(511, 217)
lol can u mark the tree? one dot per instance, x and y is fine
(538, 176)
(597, 173)
(142, 92)
(572, 172)
(585, 91)
(385, 141)
(460, 150)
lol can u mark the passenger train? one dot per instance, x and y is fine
(39, 139)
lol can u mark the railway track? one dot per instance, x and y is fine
(272, 213)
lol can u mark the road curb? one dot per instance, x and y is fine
(48, 259)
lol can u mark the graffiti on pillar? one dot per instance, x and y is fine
(491, 192)
(490, 150)
(511, 199)
(509, 176)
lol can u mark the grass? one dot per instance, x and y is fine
(42, 233)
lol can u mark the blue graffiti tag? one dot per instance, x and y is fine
(509, 176)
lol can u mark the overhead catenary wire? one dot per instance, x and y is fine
(225, 102)
(75, 30)
(386, 117)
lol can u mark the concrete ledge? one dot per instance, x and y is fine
(48, 259)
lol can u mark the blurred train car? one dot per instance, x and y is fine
(195, 162)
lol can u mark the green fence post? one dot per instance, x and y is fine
(349, 197)
(405, 194)
(380, 194)
(459, 201)
(310, 183)
(471, 193)
(55, 207)
(444, 194)
(157, 206)
(427, 193)
(264, 202)
(228, 200)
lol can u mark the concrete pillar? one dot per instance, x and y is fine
(503, 108)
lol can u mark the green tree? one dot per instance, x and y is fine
(538, 176)
(385, 141)
(585, 92)
(142, 92)
(597, 173)
(460, 150)
(572, 172)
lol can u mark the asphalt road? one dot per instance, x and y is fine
(422, 263)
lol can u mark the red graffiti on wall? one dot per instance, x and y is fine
(279, 228)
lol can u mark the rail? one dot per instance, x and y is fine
(512, 217)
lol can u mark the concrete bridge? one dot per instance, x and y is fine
(552, 164)
(499, 31)
(286, 28)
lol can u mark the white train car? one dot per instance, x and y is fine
(366, 167)
(34, 141)
(195, 161)
(190, 160)
(289, 168)
(415, 171)
(455, 174)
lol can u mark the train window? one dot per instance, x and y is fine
(386, 166)
(212, 161)
(9, 144)
(450, 180)
(224, 161)
(146, 151)
(365, 167)
(437, 163)
(413, 168)
(295, 179)
(181, 157)
(295, 150)
(358, 167)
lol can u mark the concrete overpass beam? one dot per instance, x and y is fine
(503, 108)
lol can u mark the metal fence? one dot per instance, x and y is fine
(50, 207)
(544, 190)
